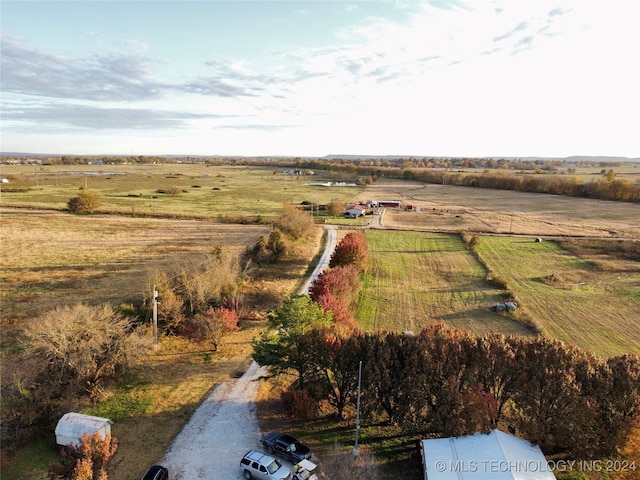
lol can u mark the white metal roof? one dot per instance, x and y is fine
(494, 456)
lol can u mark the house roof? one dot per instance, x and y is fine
(494, 456)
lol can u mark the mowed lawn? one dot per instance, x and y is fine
(415, 279)
(590, 302)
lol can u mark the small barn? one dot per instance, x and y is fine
(494, 456)
(355, 211)
(73, 425)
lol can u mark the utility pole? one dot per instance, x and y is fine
(356, 448)
(155, 317)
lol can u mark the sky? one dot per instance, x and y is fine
(314, 78)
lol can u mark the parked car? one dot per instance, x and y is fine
(157, 472)
(263, 467)
(286, 446)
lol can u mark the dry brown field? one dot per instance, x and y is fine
(448, 208)
(51, 258)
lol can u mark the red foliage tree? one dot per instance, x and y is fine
(344, 323)
(341, 282)
(352, 250)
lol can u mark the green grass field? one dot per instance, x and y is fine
(591, 302)
(205, 192)
(414, 279)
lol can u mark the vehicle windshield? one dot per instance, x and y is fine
(273, 467)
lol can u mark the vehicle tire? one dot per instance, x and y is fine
(270, 450)
(247, 475)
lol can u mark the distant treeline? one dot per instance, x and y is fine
(522, 175)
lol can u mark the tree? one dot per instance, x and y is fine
(352, 250)
(338, 360)
(80, 348)
(390, 365)
(553, 408)
(344, 323)
(341, 282)
(87, 461)
(497, 371)
(335, 208)
(277, 245)
(214, 324)
(444, 377)
(86, 202)
(294, 222)
(281, 351)
(630, 453)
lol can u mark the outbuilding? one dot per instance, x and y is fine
(355, 211)
(494, 456)
(73, 425)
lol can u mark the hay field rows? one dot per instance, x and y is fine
(418, 278)
(592, 302)
(415, 279)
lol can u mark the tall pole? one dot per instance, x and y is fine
(155, 317)
(356, 448)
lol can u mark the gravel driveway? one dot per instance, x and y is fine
(224, 427)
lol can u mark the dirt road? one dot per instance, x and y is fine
(224, 427)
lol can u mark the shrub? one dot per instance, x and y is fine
(87, 461)
(212, 325)
(85, 203)
(299, 404)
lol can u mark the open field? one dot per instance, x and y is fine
(52, 258)
(213, 192)
(449, 208)
(591, 301)
(415, 279)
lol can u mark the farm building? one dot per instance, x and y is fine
(355, 211)
(73, 425)
(386, 203)
(494, 456)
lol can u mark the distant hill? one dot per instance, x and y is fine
(574, 158)
(571, 159)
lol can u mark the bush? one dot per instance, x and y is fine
(299, 404)
(87, 461)
(85, 203)
(212, 325)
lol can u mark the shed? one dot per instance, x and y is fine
(494, 456)
(73, 425)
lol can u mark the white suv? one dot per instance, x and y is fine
(258, 465)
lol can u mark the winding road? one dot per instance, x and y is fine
(224, 427)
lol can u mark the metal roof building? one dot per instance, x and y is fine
(494, 456)
(73, 425)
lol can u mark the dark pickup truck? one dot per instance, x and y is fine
(286, 446)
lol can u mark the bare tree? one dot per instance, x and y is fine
(81, 347)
